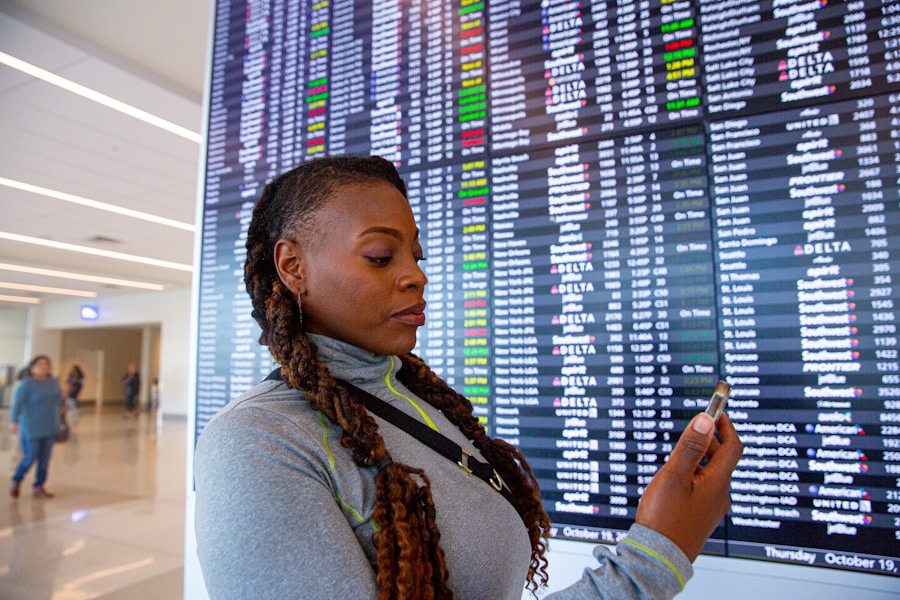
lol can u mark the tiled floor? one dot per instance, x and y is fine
(115, 529)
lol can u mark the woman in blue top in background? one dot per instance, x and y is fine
(35, 416)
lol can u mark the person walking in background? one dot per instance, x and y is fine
(131, 381)
(35, 417)
(74, 383)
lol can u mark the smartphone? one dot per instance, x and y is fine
(717, 401)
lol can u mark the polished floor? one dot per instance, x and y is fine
(114, 530)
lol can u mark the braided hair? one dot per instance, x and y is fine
(410, 561)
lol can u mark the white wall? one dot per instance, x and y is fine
(13, 337)
(13, 327)
(171, 309)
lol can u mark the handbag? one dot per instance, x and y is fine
(63, 434)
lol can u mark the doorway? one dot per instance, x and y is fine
(104, 354)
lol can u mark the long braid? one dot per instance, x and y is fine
(410, 562)
(506, 458)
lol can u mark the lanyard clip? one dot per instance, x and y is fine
(496, 481)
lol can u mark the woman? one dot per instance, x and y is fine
(74, 383)
(301, 493)
(35, 415)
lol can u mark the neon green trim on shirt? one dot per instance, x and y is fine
(346, 506)
(387, 382)
(325, 441)
(657, 556)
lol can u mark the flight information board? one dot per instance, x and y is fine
(621, 202)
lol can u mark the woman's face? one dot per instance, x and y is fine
(360, 278)
(41, 369)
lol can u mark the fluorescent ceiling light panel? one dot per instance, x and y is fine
(14, 237)
(46, 290)
(27, 187)
(85, 92)
(81, 277)
(23, 299)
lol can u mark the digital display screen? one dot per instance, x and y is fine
(621, 202)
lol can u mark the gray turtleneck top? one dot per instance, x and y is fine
(283, 512)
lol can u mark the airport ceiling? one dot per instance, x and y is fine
(70, 165)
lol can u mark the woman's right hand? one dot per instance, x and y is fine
(685, 501)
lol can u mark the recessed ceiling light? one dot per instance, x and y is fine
(81, 277)
(95, 251)
(136, 214)
(86, 92)
(46, 290)
(22, 299)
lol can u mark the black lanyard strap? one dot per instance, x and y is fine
(434, 440)
(428, 436)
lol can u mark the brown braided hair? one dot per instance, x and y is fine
(410, 561)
